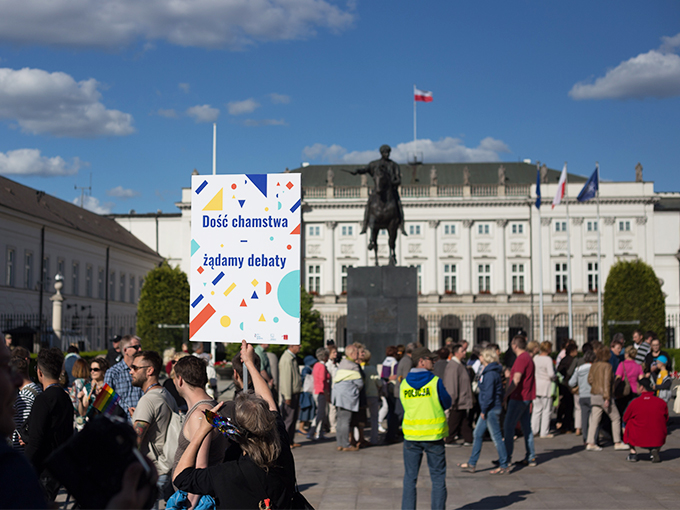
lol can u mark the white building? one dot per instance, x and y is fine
(79, 245)
(475, 243)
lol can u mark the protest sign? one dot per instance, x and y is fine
(245, 258)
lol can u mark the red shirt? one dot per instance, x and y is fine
(322, 379)
(645, 420)
(526, 389)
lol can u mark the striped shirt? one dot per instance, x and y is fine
(22, 408)
(642, 351)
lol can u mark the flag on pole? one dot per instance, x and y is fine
(538, 187)
(589, 189)
(422, 95)
(560, 187)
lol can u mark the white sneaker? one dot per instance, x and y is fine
(593, 448)
(382, 430)
(621, 446)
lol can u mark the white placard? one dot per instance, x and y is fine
(245, 258)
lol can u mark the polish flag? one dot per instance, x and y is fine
(560, 187)
(422, 95)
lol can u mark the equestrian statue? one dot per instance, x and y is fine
(383, 210)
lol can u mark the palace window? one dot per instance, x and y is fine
(561, 277)
(414, 230)
(88, 280)
(61, 267)
(10, 268)
(560, 226)
(517, 228)
(484, 273)
(592, 277)
(517, 278)
(624, 226)
(483, 229)
(450, 230)
(347, 230)
(419, 269)
(591, 226)
(28, 270)
(112, 286)
(343, 279)
(132, 289)
(121, 294)
(314, 230)
(100, 283)
(45, 277)
(450, 278)
(75, 278)
(314, 279)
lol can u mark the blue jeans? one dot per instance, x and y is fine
(519, 410)
(436, 462)
(492, 420)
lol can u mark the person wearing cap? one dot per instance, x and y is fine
(424, 399)
(646, 418)
(662, 381)
(114, 355)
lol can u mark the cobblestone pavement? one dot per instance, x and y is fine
(567, 477)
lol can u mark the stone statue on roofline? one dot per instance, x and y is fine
(544, 174)
(638, 172)
(466, 176)
(329, 177)
(433, 176)
(501, 175)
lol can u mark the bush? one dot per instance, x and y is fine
(633, 293)
(164, 300)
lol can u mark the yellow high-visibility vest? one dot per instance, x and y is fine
(424, 418)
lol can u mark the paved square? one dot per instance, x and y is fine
(567, 477)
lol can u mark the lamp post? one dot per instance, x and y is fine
(57, 306)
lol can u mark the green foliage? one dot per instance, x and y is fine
(311, 329)
(675, 358)
(633, 293)
(164, 300)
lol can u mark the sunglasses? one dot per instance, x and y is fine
(135, 347)
(93, 369)
(135, 367)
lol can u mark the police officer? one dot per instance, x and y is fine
(424, 400)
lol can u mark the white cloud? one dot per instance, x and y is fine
(203, 113)
(54, 103)
(264, 122)
(279, 98)
(121, 192)
(92, 204)
(30, 162)
(446, 150)
(241, 107)
(200, 23)
(185, 87)
(168, 114)
(652, 74)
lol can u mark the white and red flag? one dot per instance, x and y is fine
(422, 95)
(560, 187)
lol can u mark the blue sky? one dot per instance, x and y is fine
(128, 90)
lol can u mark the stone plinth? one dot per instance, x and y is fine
(382, 307)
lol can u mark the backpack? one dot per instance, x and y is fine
(308, 384)
(171, 441)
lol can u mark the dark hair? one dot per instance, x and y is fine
(589, 356)
(587, 347)
(21, 352)
(238, 366)
(20, 364)
(519, 341)
(455, 348)
(193, 370)
(73, 348)
(650, 333)
(494, 346)
(570, 346)
(391, 350)
(153, 358)
(101, 361)
(80, 370)
(50, 362)
(443, 353)
(638, 331)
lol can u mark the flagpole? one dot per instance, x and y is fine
(566, 196)
(415, 143)
(599, 259)
(540, 266)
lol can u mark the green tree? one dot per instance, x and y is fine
(164, 300)
(633, 293)
(311, 328)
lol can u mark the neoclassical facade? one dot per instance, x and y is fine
(473, 235)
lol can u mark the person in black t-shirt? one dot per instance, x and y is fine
(266, 470)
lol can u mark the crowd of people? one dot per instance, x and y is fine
(429, 401)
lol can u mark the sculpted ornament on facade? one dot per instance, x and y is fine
(641, 220)
(560, 245)
(546, 221)
(609, 220)
(414, 248)
(625, 244)
(577, 221)
(314, 249)
(501, 223)
(331, 225)
(591, 245)
(433, 223)
(468, 223)
(484, 247)
(347, 249)
(450, 248)
(516, 247)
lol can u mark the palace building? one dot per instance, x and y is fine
(473, 235)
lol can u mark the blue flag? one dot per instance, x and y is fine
(589, 189)
(538, 188)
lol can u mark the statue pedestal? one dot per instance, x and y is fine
(382, 307)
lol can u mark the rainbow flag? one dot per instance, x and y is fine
(106, 400)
